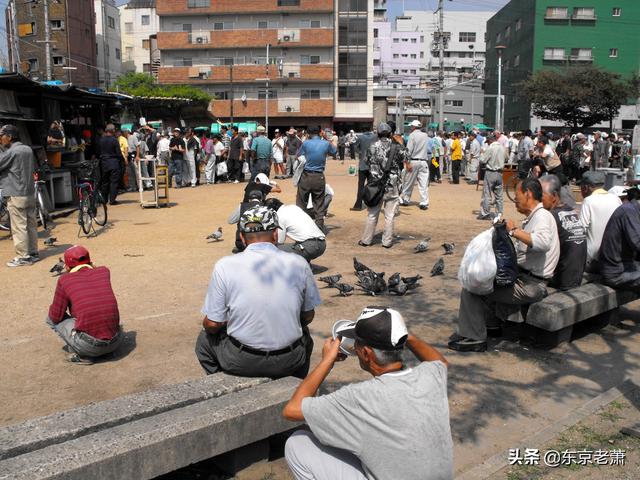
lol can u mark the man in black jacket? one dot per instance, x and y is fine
(110, 160)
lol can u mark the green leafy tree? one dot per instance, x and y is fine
(144, 85)
(579, 97)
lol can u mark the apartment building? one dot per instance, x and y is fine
(545, 34)
(398, 56)
(72, 53)
(108, 42)
(315, 60)
(138, 22)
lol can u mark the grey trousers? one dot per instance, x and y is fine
(308, 459)
(627, 280)
(492, 185)
(291, 159)
(82, 343)
(388, 206)
(309, 249)
(216, 353)
(477, 312)
(420, 172)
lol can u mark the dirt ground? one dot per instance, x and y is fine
(160, 264)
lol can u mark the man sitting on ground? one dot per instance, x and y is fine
(293, 222)
(394, 426)
(258, 305)
(84, 311)
(538, 249)
(620, 249)
(597, 208)
(571, 233)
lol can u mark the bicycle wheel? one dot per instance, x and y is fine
(510, 188)
(43, 214)
(84, 215)
(100, 211)
(4, 216)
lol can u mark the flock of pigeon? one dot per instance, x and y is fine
(373, 283)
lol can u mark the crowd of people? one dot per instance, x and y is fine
(261, 300)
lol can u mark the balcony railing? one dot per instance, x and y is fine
(581, 58)
(555, 57)
(583, 16)
(556, 16)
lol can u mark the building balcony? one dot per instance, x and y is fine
(297, 37)
(280, 107)
(583, 17)
(181, 7)
(555, 57)
(208, 74)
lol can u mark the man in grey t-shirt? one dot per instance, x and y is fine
(394, 426)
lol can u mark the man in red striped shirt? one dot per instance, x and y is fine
(84, 311)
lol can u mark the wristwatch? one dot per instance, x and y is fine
(512, 231)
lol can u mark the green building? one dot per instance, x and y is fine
(542, 34)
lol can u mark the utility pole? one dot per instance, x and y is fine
(499, 49)
(47, 39)
(441, 73)
(15, 48)
(231, 88)
(266, 96)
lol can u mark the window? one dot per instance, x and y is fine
(146, 67)
(467, 37)
(498, 38)
(554, 54)
(396, 71)
(57, 24)
(309, 59)
(145, 20)
(413, 55)
(352, 31)
(507, 32)
(405, 55)
(421, 54)
(221, 95)
(128, 27)
(404, 71)
(516, 61)
(308, 94)
(118, 54)
(616, 11)
(453, 103)
(128, 53)
(375, 33)
(58, 61)
(315, 24)
(376, 62)
(198, 3)
(405, 39)
(613, 52)
(353, 93)
(518, 24)
(25, 29)
(584, 13)
(421, 38)
(288, 3)
(111, 22)
(395, 55)
(396, 40)
(412, 72)
(262, 94)
(145, 44)
(581, 54)
(187, 61)
(557, 13)
(33, 64)
(264, 24)
(352, 65)
(414, 40)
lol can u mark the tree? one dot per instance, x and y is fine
(579, 96)
(144, 85)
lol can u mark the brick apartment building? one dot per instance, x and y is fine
(73, 36)
(319, 64)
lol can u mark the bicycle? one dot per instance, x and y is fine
(4, 214)
(92, 207)
(41, 209)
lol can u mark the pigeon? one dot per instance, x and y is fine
(448, 248)
(217, 235)
(50, 241)
(360, 267)
(58, 268)
(344, 288)
(412, 280)
(371, 282)
(393, 280)
(438, 268)
(399, 289)
(331, 280)
(423, 246)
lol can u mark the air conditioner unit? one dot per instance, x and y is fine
(286, 38)
(200, 40)
(292, 75)
(288, 108)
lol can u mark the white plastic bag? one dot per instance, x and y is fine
(298, 167)
(245, 167)
(221, 169)
(478, 267)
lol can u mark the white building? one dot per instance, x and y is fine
(139, 21)
(109, 57)
(464, 54)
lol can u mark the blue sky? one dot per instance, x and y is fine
(395, 7)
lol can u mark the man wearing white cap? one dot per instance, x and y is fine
(261, 153)
(417, 166)
(291, 146)
(394, 426)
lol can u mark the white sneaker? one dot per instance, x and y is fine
(236, 181)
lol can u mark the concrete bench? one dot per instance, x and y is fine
(558, 313)
(148, 434)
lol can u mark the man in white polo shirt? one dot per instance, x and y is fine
(597, 208)
(538, 250)
(258, 305)
(293, 222)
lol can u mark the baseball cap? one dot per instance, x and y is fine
(260, 129)
(255, 195)
(377, 327)
(277, 130)
(258, 219)
(416, 123)
(592, 178)
(76, 255)
(263, 179)
(10, 130)
(291, 131)
(176, 129)
(384, 128)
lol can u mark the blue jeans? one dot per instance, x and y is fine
(81, 343)
(259, 166)
(175, 170)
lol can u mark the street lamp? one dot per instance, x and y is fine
(499, 50)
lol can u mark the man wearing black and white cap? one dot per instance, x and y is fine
(258, 305)
(395, 426)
